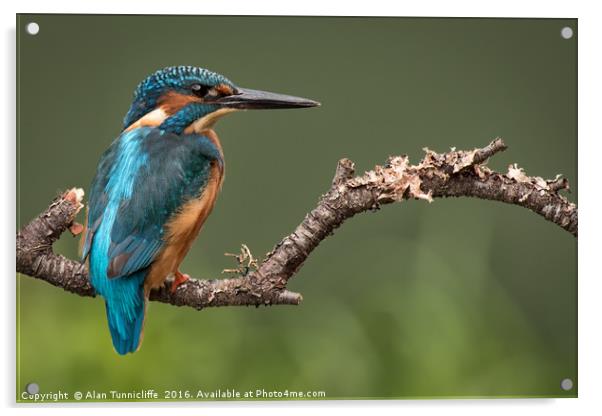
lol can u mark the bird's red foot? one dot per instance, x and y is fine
(76, 228)
(178, 280)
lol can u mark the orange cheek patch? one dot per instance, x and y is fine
(172, 102)
(167, 105)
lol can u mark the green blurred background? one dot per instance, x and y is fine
(460, 297)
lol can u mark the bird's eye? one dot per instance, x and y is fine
(200, 90)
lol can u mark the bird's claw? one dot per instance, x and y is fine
(76, 228)
(178, 280)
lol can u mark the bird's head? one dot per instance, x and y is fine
(191, 99)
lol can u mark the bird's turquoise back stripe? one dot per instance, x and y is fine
(123, 294)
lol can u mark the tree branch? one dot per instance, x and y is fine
(451, 174)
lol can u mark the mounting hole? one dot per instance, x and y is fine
(566, 384)
(32, 28)
(32, 388)
(566, 32)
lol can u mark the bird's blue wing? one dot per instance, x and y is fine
(143, 179)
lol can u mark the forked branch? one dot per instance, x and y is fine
(451, 174)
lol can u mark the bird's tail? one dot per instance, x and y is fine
(126, 321)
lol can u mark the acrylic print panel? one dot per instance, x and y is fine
(473, 296)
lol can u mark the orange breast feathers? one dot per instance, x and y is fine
(182, 229)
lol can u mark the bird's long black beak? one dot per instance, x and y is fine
(249, 99)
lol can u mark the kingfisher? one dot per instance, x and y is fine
(156, 185)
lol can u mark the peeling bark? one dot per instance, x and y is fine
(451, 174)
